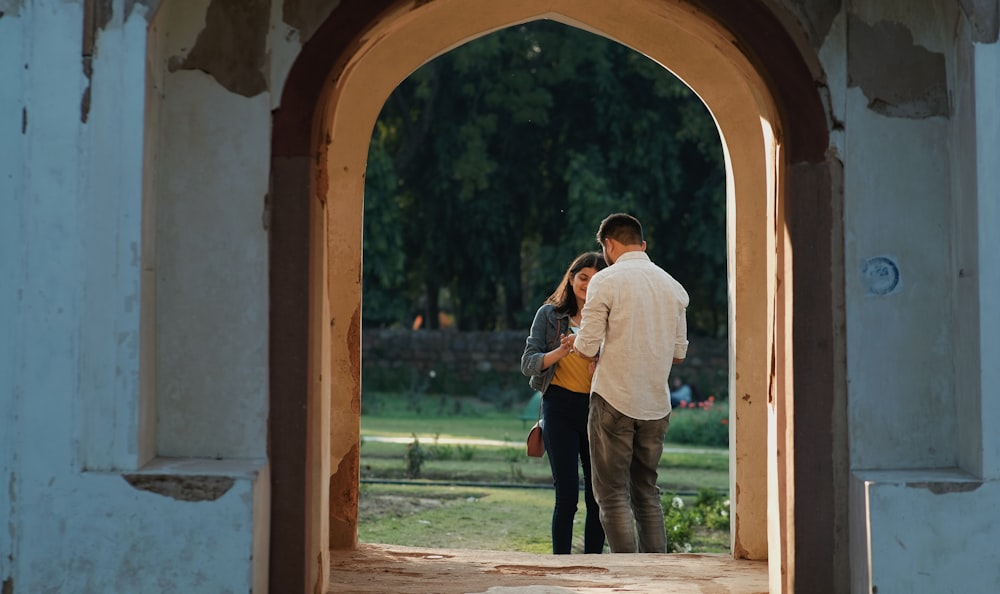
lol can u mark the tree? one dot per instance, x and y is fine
(491, 167)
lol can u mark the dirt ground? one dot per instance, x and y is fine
(394, 569)
(384, 569)
(371, 506)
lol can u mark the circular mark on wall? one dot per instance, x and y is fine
(880, 275)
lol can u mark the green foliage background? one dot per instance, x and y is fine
(491, 167)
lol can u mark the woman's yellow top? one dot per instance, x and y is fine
(573, 373)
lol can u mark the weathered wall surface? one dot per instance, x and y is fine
(898, 246)
(133, 287)
(210, 236)
(12, 245)
(930, 532)
(917, 130)
(980, 397)
(84, 508)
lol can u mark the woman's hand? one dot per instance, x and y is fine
(565, 348)
(566, 343)
(557, 354)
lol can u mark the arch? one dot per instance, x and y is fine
(751, 75)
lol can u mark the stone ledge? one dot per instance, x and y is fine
(936, 480)
(193, 479)
(237, 468)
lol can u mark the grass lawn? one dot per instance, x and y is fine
(681, 469)
(456, 517)
(478, 518)
(506, 510)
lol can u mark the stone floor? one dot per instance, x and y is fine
(393, 569)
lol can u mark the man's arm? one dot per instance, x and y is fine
(593, 322)
(681, 340)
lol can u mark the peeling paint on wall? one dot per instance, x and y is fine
(231, 48)
(150, 5)
(11, 8)
(96, 16)
(899, 78)
(944, 487)
(182, 487)
(88, 71)
(307, 15)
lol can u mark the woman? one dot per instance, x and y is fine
(563, 378)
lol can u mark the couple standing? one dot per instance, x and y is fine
(621, 309)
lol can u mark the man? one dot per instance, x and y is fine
(635, 315)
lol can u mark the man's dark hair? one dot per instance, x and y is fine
(623, 228)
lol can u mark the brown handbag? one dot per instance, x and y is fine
(536, 447)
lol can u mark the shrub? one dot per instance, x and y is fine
(512, 455)
(714, 509)
(702, 423)
(415, 457)
(710, 509)
(442, 452)
(466, 452)
(679, 521)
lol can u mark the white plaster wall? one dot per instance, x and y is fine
(69, 265)
(965, 265)
(931, 533)
(901, 412)
(43, 263)
(987, 91)
(927, 529)
(211, 259)
(12, 281)
(111, 162)
(93, 532)
(899, 346)
(152, 131)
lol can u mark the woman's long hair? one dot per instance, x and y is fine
(563, 299)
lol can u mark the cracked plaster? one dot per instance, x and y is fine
(232, 46)
(898, 77)
(11, 8)
(182, 488)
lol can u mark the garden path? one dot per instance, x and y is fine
(431, 439)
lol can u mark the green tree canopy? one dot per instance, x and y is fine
(491, 167)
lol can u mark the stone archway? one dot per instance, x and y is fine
(781, 200)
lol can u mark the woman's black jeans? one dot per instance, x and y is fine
(564, 430)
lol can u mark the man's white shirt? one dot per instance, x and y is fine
(635, 315)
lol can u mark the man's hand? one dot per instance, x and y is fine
(567, 341)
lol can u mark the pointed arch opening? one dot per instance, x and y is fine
(781, 201)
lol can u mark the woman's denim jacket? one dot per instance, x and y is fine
(546, 332)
